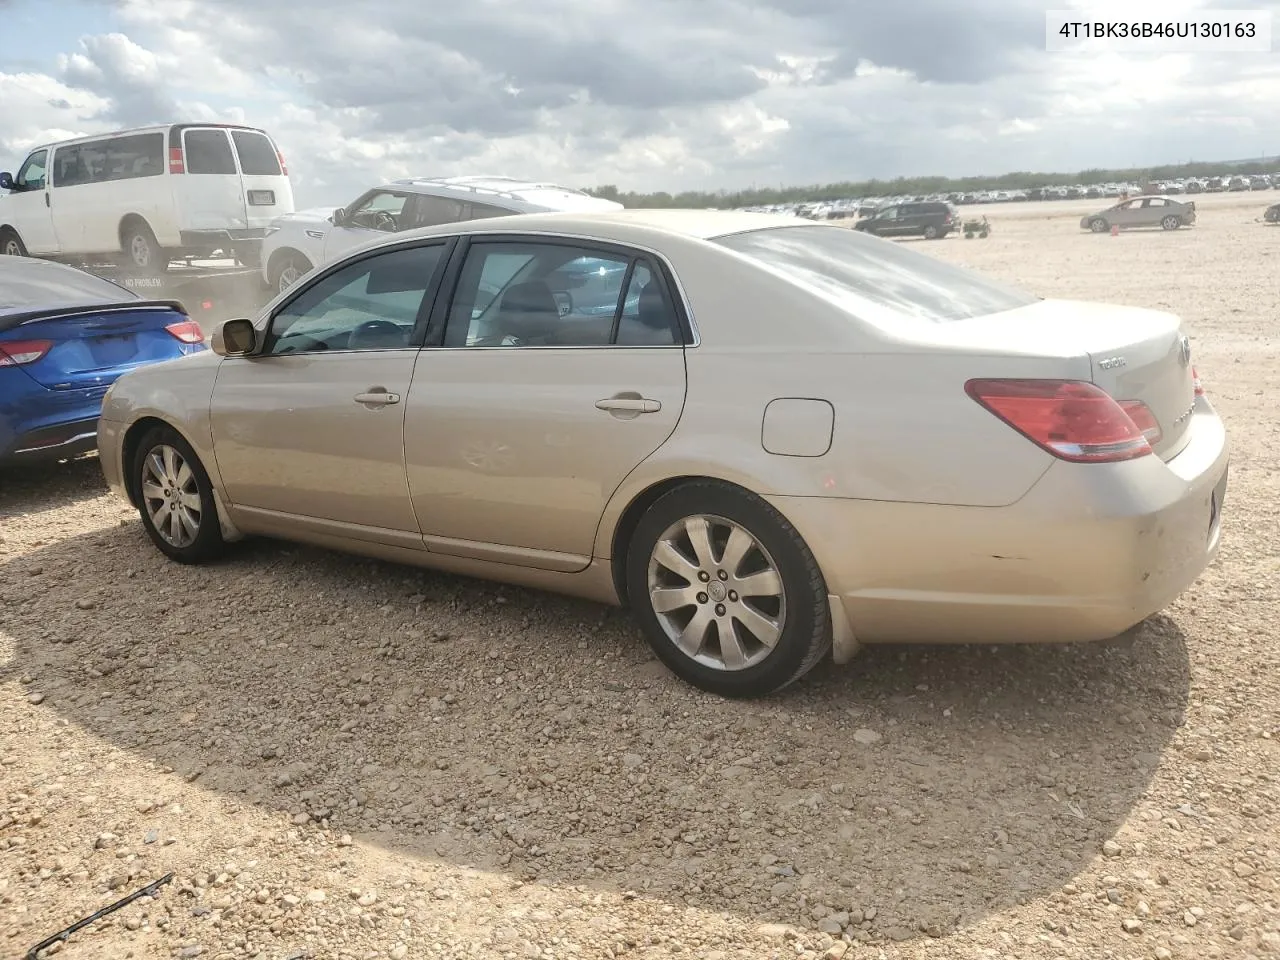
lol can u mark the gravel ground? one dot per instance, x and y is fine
(345, 759)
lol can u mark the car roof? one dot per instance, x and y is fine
(625, 225)
(46, 273)
(523, 196)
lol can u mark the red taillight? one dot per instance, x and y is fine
(284, 167)
(1195, 378)
(1143, 419)
(176, 163)
(1071, 419)
(14, 353)
(188, 331)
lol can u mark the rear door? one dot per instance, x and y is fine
(523, 424)
(268, 193)
(209, 193)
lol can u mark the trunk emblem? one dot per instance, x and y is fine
(1184, 345)
(1111, 363)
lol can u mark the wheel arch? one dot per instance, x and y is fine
(279, 255)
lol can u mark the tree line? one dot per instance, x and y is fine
(1020, 180)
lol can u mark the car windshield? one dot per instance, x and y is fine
(875, 279)
(30, 284)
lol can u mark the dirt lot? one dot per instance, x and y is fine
(343, 759)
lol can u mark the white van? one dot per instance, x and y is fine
(150, 195)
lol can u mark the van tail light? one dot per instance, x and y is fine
(176, 162)
(1195, 378)
(1073, 420)
(284, 167)
(188, 331)
(15, 353)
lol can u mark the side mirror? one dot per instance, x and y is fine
(340, 217)
(234, 338)
(6, 180)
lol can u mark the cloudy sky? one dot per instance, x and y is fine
(644, 94)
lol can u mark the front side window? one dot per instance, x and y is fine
(890, 214)
(209, 152)
(382, 211)
(32, 174)
(530, 294)
(372, 304)
(874, 279)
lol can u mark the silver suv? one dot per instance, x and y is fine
(299, 242)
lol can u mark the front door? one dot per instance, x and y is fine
(540, 402)
(373, 216)
(308, 432)
(27, 206)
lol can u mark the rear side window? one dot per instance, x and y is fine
(209, 152)
(257, 154)
(482, 211)
(868, 276)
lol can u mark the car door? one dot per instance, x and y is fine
(535, 407)
(307, 432)
(374, 215)
(1126, 214)
(889, 223)
(1154, 209)
(27, 207)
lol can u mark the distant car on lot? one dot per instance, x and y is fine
(1146, 211)
(688, 454)
(927, 219)
(146, 196)
(65, 336)
(301, 241)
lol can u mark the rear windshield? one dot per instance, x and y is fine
(30, 284)
(868, 275)
(257, 155)
(208, 152)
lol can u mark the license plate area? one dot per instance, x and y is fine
(111, 350)
(262, 198)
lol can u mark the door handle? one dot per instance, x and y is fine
(377, 398)
(46, 199)
(629, 404)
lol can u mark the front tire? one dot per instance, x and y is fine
(11, 244)
(175, 498)
(728, 594)
(287, 270)
(1098, 225)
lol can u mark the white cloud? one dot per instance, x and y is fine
(645, 94)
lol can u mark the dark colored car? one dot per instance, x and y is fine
(930, 219)
(65, 336)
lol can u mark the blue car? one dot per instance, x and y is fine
(65, 336)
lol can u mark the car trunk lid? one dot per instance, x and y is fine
(1134, 354)
(80, 348)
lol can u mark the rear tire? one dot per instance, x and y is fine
(142, 253)
(931, 232)
(11, 244)
(175, 498)
(738, 628)
(1171, 222)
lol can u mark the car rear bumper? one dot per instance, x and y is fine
(1089, 552)
(58, 441)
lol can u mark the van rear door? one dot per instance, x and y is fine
(209, 196)
(268, 193)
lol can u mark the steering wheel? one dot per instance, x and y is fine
(382, 220)
(375, 330)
